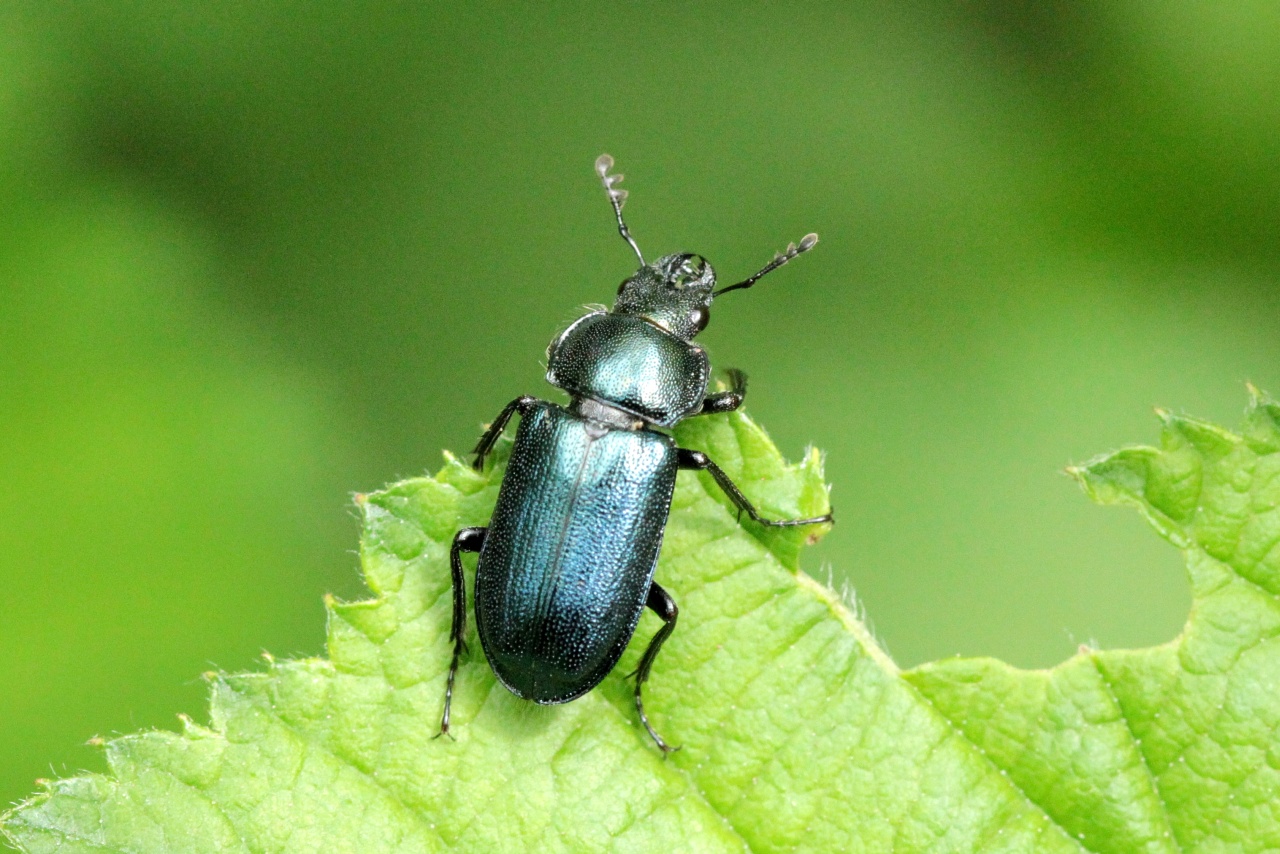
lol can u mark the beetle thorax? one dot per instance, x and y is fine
(630, 363)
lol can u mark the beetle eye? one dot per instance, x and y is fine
(622, 286)
(700, 317)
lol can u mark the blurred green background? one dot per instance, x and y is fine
(257, 256)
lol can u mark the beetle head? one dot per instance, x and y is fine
(674, 293)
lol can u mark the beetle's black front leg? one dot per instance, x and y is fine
(665, 607)
(466, 540)
(522, 405)
(698, 461)
(727, 401)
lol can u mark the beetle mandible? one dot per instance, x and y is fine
(567, 561)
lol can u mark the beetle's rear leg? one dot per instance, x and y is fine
(665, 607)
(466, 540)
(698, 461)
(522, 405)
(727, 401)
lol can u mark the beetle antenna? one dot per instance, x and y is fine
(616, 197)
(793, 249)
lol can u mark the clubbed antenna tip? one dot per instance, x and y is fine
(617, 196)
(806, 243)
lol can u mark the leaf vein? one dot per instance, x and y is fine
(958, 733)
(1137, 746)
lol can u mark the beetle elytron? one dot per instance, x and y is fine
(566, 564)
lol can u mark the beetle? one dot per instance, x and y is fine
(567, 561)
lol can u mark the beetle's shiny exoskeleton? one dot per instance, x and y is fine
(566, 563)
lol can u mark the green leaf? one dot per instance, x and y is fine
(798, 731)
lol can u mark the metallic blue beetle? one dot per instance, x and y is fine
(566, 564)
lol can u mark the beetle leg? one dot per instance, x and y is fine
(698, 461)
(726, 401)
(521, 404)
(661, 603)
(466, 540)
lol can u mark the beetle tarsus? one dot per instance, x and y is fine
(697, 461)
(466, 540)
(661, 603)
